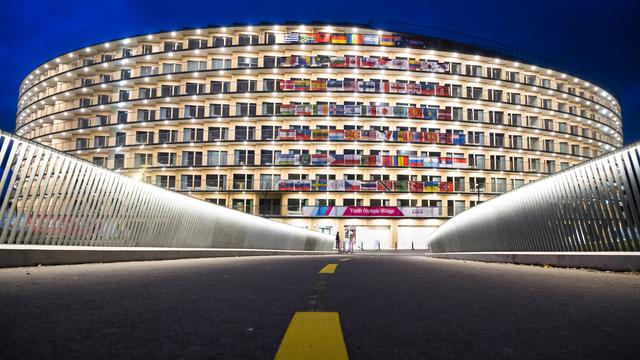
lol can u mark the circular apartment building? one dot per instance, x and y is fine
(375, 134)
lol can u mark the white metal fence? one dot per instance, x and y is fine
(594, 206)
(50, 198)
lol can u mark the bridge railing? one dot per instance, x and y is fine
(592, 207)
(50, 198)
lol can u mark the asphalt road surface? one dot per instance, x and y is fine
(389, 307)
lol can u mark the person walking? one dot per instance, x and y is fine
(338, 242)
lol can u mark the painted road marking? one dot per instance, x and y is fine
(313, 335)
(347, 259)
(328, 269)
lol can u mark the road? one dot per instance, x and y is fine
(389, 307)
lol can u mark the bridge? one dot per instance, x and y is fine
(217, 296)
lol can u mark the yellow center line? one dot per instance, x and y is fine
(328, 269)
(313, 335)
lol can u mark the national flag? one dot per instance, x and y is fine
(354, 39)
(352, 110)
(403, 136)
(370, 39)
(322, 60)
(400, 111)
(320, 134)
(301, 85)
(386, 40)
(307, 38)
(414, 64)
(287, 109)
(303, 134)
(442, 90)
(427, 65)
(304, 159)
(319, 185)
(367, 86)
(416, 186)
(458, 140)
(368, 134)
(323, 38)
(351, 159)
(413, 88)
(388, 160)
(400, 64)
(430, 114)
(338, 39)
(318, 85)
(285, 159)
(431, 186)
(319, 159)
(301, 61)
(383, 63)
(446, 186)
(336, 185)
(403, 160)
(350, 85)
(402, 185)
(335, 109)
(352, 185)
(287, 85)
(335, 159)
(430, 162)
(443, 67)
(446, 161)
(444, 114)
(368, 62)
(384, 110)
(321, 109)
(352, 61)
(302, 185)
(428, 89)
(459, 161)
(415, 161)
(415, 112)
(338, 62)
(352, 134)
(368, 186)
(384, 185)
(304, 109)
(286, 134)
(335, 134)
(286, 185)
(391, 135)
(291, 38)
(399, 41)
(431, 137)
(335, 85)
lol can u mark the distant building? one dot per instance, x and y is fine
(333, 128)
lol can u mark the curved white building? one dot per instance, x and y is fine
(333, 128)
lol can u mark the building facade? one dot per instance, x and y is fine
(380, 135)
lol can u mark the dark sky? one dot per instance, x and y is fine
(597, 39)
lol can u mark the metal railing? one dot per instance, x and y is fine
(50, 198)
(594, 206)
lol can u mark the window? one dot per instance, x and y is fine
(245, 39)
(193, 65)
(167, 136)
(100, 141)
(191, 134)
(269, 132)
(220, 63)
(219, 87)
(123, 95)
(242, 181)
(169, 90)
(191, 158)
(144, 137)
(270, 38)
(294, 206)
(270, 62)
(169, 68)
(121, 139)
(118, 161)
(477, 161)
(216, 182)
(247, 62)
(498, 162)
(194, 88)
(216, 158)
(245, 109)
(475, 137)
(99, 160)
(246, 85)
(269, 157)
(243, 157)
(456, 68)
(269, 108)
(197, 43)
(243, 205)
(83, 123)
(475, 115)
(269, 181)
(218, 133)
(269, 85)
(193, 111)
(125, 74)
(498, 185)
(245, 133)
(148, 70)
(169, 113)
(147, 49)
(218, 110)
(172, 46)
(517, 163)
(474, 70)
(140, 160)
(166, 181)
(82, 143)
(474, 92)
(190, 182)
(269, 207)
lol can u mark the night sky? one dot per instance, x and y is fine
(596, 40)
